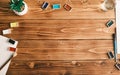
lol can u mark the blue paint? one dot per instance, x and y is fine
(56, 6)
(45, 5)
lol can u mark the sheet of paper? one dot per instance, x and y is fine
(118, 25)
(5, 53)
(5, 69)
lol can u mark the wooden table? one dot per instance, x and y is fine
(58, 42)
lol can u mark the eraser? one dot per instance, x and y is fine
(56, 6)
(67, 7)
(117, 65)
(45, 5)
(12, 49)
(110, 55)
(14, 24)
(109, 23)
(7, 31)
(11, 41)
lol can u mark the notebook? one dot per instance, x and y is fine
(118, 25)
(5, 54)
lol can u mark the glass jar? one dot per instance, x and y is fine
(107, 5)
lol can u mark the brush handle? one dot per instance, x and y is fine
(115, 46)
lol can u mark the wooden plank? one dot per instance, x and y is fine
(50, 35)
(97, 67)
(63, 49)
(81, 10)
(60, 29)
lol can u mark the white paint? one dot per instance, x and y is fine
(7, 31)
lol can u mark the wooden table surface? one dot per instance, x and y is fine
(58, 42)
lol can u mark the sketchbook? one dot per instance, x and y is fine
(5, 53)
(118, 25)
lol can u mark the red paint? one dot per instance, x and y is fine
(12, 49)
(67, 7)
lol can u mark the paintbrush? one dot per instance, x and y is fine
(115, 47)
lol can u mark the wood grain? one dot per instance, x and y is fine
(87, 10)
(60, 29)
(63, 49)
(58, 42)
(97, 67)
